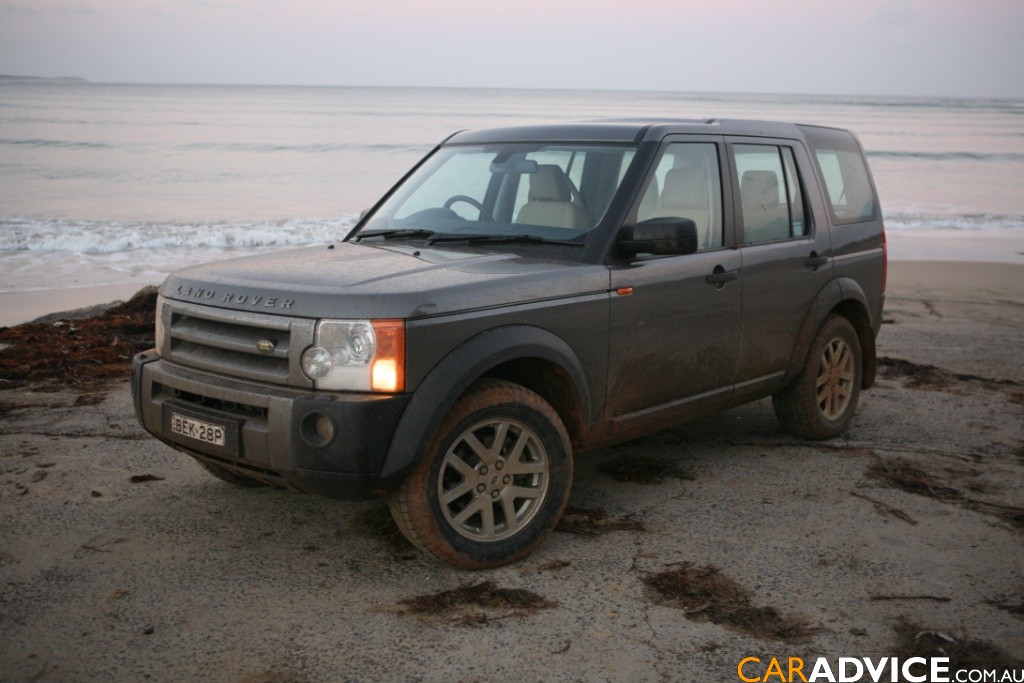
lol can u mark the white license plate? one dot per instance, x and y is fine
(197, 429)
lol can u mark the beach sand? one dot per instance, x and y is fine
(22, 307)
(682, 553)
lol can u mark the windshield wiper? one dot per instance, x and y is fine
(501, 239)
(399, 233)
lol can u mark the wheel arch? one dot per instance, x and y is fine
(844, 297)
(554, 384)
(854, 307)
(530, 356)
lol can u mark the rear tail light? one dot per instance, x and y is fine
(885, 259)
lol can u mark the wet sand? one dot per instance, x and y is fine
(683, 552)
(21, 307)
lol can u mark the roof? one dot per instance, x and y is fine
(631, 130)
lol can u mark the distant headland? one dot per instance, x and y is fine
(4, 78)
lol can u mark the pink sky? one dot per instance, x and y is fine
(889, 47)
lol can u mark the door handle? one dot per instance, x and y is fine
(719, 276)
(814, 261)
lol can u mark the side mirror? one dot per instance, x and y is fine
(669, 235)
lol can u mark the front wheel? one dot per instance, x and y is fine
(819, 404)
(493, 481)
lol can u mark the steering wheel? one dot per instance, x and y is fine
(463, 198)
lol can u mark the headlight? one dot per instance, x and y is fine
(357, 355)
(317, 362)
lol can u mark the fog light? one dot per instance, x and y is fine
(317, 429)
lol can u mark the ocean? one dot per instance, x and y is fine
(112, 184)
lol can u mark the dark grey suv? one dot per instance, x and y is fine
(524, 295)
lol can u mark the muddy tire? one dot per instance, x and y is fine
(493, 481)
(229, 476)
(820, 402)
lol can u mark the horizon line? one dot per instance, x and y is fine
(12, 79)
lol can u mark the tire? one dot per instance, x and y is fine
(229, 476)
(493, 481)
(820, 402)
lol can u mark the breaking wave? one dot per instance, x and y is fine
(106, 237)
(972, 221)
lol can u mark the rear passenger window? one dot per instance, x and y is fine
(771, 196)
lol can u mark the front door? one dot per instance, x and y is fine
(675, 320)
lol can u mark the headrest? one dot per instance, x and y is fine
(686, 187)
(549, 184)
(760, 186)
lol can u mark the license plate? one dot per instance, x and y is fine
(206, 432)
(203, 431)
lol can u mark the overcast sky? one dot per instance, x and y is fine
(883, 47)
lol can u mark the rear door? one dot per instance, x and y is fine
(786, 254)
(675, 320)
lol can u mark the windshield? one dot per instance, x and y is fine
(552, 191)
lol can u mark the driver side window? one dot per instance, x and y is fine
(687, 183)
(469, 172)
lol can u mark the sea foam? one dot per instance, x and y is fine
(105, 237)
(970, 221)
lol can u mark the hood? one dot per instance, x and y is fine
(350, 280)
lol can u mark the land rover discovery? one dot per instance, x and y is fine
(522, 296)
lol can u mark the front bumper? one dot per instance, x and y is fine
(270, 439)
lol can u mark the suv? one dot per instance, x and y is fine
(521, 296)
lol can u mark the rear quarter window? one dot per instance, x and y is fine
(842, 167)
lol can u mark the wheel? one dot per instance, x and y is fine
(463, 198)
(229, 476)
(820, 402)
(493, 481)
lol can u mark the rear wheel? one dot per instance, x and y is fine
(493, 481)
(820, 402)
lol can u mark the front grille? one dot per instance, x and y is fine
(254, 346)
(242, 410)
